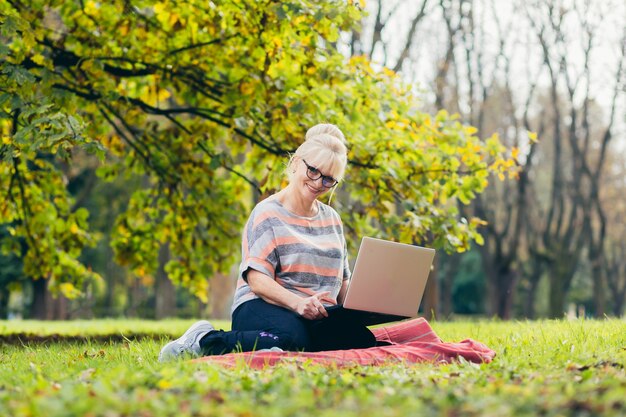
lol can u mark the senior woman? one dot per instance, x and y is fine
(294, 264)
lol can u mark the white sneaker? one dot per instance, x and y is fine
(272, 349)
(188, 343)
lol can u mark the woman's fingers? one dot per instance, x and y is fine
(318, 304)
(320, 308)
(322, 294)
(313, 307)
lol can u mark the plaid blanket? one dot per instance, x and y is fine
(408, 341)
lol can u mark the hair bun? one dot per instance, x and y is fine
(325, 129)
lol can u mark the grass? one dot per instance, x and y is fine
(548, 368)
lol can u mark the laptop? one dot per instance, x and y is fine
(388, 282)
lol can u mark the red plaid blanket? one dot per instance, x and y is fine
(410, 341)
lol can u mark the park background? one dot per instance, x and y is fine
(136, 137)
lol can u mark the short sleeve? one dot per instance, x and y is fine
(258, 248)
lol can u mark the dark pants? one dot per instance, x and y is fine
(260, 325)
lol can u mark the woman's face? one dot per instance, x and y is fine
(310, 181)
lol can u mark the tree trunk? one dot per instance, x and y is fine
(165, 293)
(431, 295)
(452, 264)
(136, 296)
(59, 307)
(221, 295)
(599, 300)
(531, 296)
(4, 303)
(501, 281)
(112, 274)
(39, 307)
(507, 280)
(556, 307)
(615, 275)
(560, 279)
(618, 304)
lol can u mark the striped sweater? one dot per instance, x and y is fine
(305, 255)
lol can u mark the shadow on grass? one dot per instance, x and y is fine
(30, 338)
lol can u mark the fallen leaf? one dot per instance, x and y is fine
(86, 375)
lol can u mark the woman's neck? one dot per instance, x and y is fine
(296, 204)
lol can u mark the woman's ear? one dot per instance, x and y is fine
(292, 163)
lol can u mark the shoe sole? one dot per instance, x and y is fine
(164, 358)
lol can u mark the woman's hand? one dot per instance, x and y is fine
(269, 290)
(311, 307)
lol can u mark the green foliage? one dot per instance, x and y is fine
(36, 130)
(549, 368)
(202, 101)
(469, 289)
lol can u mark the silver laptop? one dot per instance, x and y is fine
(388, 279)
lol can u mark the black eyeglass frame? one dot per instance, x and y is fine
(310, 172)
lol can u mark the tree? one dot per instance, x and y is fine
(204, 100)
(575, 218)
(614, 256)
(491, 63)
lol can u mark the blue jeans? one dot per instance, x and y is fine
(260, 325)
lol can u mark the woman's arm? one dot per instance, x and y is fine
(269, 290)
(343, 291)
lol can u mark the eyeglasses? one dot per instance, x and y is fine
(315, 174)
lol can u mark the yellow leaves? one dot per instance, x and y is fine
(161, 13)
(168, 18)
(69, 290)
(153, 95)
(298, 20)
(147, 89)
(471, 153)
(6, 140)
(515, 153)
(358, 4)
(505, 166)
(291, 127)
(306, 40)
(532, 136)
(277, 41)
(247, 88)
(175, 18)
(477, 221)
(470, 130)
(5, 127)
(158, 8)
(164, 384)
(201, 290)
(125, 86)
(143, 276)
(124, 28)
(114, 144)
(389, 72)
(494, 146)
(91, 9)
(38, 59)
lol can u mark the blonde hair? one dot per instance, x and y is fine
(325, 148)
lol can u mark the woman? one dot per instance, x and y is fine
(294, 263)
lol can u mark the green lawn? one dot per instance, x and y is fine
(549, 368)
